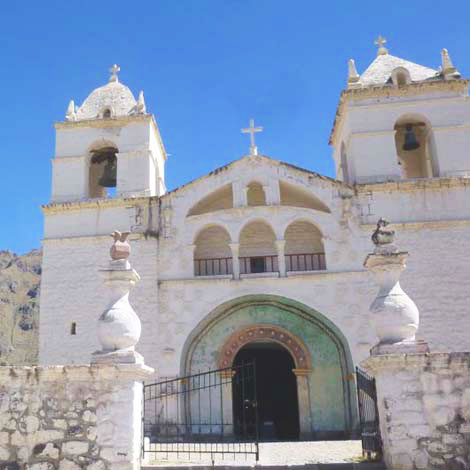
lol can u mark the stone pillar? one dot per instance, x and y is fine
(119, 327)
(267, 195)
(235, 247)
(281, 258)
(424, 409)
(119, 420)
(303, 396)
(394, 315)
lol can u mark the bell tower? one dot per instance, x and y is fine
(402, 121)
(108, 147)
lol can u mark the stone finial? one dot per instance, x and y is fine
(448, 69)
(380, 41)
(394, 314)
(140, 107)
(70, 115)
(383, 238)
(121, 248)
(353, 76)
(115, 69)
(119, 327)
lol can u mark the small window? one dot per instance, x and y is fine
(106, 113)
(73, 329)
(401, 76)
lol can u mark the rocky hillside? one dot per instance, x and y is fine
(19, 307)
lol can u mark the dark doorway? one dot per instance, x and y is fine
(274, 393)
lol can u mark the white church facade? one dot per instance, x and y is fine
(261, 260)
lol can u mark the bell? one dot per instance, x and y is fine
(108, 178)
(411, 142)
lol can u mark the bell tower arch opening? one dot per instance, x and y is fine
(414, 147)
(274, 393)
(102, 173)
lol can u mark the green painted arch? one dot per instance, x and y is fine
(300, 314)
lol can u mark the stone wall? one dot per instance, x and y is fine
(70, 418)
(424, 409)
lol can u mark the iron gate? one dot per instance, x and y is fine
(212, 413)
(368, 415)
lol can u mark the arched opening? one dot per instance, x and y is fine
(304, 249)
(323, 363)
(413, 141)
(220, 199)
(212, 254)
(401, 76)
(258, 252)
(255, 195)
(102, 176)
(273, 389)
(107, 113)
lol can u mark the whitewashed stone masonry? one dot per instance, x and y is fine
(424, 409)
(71, 417)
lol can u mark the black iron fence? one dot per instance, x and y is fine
(213, 266)
(212, 413)
(306, 262)
(368, 415)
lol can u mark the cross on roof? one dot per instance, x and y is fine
(380, 41)
(252, 130)
(114, 71)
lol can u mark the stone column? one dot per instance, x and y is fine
(394, 315)
(119, 367)
(119, 327)
(281, 258)
(303, 396)
(235, 247)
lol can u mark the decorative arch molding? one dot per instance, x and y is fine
(226, 309)
(260, 333)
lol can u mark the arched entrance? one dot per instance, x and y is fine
(274, 391)
(323, 369)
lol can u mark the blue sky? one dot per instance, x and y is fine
(206, 67)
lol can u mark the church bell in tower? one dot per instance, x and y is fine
(108, 178)
(106, 157)
(411, 142)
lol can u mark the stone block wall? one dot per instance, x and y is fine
(424, 409)
(70, 417)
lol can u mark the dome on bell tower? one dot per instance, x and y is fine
(109, 101)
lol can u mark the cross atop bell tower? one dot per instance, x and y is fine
(380, 41)
(115, 69)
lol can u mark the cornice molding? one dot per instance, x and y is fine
(59, 207)
(135, 236)
(389, 91)
(418, 225)
(413, 185)
(120, 121)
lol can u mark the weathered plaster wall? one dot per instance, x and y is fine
(70, 418)
(424, 409)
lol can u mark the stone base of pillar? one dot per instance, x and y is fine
(424, 409)
(403, 347)
(117, 357)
